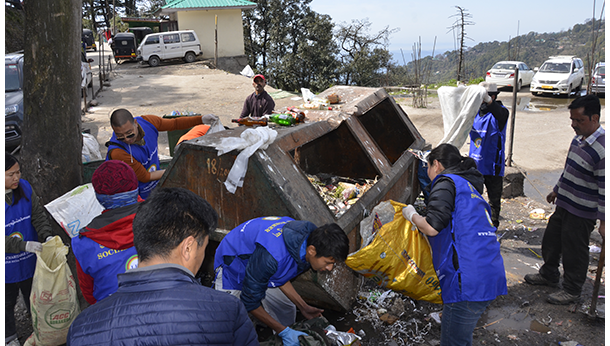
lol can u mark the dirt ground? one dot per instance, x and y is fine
(541, 138)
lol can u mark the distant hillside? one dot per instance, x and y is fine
(533, 49)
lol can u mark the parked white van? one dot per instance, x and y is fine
(169, 45)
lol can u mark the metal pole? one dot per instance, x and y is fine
(113, 18)
(511, 135)
(216, 41)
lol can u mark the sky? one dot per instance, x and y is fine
(493, 20)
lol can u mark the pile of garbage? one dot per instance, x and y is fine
(396, 317)
(340, 193)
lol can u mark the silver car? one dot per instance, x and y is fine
(503, 74)
(598, 79)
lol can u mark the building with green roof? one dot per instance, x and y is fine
(202, 16)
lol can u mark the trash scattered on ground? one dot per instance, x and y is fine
(411, 321)
(594, 249)
(538, 214)
(340, 193)
(569, 343)
(436, 316)
(341, 338)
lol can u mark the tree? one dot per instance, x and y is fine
(52, 141)
(460, 25)
(291, 44)
(364, 57)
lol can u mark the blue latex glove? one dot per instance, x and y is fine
(290, 337)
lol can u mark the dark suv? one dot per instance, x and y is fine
(13, 100)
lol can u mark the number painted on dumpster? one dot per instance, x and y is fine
(215, 169)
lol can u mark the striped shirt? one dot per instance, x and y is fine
(581, 187)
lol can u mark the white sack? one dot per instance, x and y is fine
(459, 106)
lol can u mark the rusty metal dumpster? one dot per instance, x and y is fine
(365, 136)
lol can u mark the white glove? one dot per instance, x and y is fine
(408, 212)
(49, 238)
(33, 246)
(487, 99)
(209, 119)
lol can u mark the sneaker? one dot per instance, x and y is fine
(537, 279)
(562, 298)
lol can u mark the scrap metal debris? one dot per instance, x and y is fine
(340, 193)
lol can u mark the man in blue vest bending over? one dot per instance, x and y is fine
(257, 260)
(487, 139)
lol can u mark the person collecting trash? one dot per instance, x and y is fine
(465, 251)
(258, 258)
(25, 223)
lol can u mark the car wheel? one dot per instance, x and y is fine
(190, 57)
(95, 49)
(519, 86)
(154, 61)
(534, 93)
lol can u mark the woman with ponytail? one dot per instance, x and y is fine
(465, 250)
(25, 223)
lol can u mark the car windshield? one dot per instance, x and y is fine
(504, 66)
(11, 78)
(601, 70)
(555, 67)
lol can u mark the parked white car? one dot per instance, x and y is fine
(598, 79)
(503, 74)
(169, 45)
(560, 74)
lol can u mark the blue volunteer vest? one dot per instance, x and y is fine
(145, 154)
(481, 275)
(103, 264)
(484, 138)
(18, 223)
(240, 243)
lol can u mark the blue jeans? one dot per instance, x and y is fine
(458, 322)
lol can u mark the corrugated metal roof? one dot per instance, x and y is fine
(184, 4)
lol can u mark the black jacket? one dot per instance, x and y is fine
(441, 202)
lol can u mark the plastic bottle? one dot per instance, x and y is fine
(282, 119)
(249, 121)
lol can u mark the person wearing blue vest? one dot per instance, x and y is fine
(465, 250)
(25, 222)
(258, 258)
(487, 139)
(135, 142)
(161, 302)
(104, 248)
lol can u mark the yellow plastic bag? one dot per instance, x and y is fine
(53, 299)
(400, 259)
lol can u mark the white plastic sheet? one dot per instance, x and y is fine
(75, 209)
(249, 142)
(459, 106)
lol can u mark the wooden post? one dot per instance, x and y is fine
(216, 41)
(511, 135)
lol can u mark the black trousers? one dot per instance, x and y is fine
(567, 238)
(11, 294)
(493, 184)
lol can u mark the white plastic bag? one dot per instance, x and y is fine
(459, 107)
(247, 71)
(250, 141)
(216, 127)
(75, 209)
(91, 148)
(307, 95)
(53, 299)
